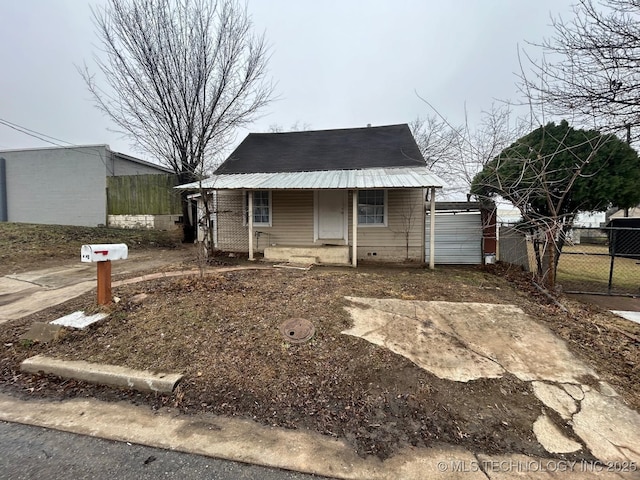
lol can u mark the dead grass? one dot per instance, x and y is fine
(586, 267)
(24, 246)
(222, 332)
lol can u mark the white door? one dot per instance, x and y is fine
(331, 211)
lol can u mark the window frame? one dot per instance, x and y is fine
(385, 206)
(245, 216)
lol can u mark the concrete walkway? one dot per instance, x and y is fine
(23, 294)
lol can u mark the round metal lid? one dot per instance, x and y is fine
(297, 330)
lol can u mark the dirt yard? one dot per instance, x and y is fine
(26, 246)
(222, 333)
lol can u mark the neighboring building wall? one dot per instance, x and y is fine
(119, 165)
(64, 186)
(151, 222)
(293, 224)
(633, 212)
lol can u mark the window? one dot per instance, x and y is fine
(261, 208)
(371, 207)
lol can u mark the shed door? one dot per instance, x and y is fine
(458, 238)
(331, 210)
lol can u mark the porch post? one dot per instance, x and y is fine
(432, 227)
(354, 227)
(250, 223)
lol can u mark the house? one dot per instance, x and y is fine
(63, 185)
(326, 196)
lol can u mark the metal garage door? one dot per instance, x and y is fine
(458, 238)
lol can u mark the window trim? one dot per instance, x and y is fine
(245, 208)
(385, 212)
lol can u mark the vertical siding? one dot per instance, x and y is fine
(143, 194)
(57, 186)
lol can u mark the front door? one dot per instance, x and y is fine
(331, 211)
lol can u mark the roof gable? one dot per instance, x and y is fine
(308, 151)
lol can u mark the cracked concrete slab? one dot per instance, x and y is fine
(466, 341)
(425, 345)
(507, 467)
(551, 438)
(555, 398)
(606, 389)
(575, 391)
(609, 428)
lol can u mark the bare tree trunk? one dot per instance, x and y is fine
(179, 78)
(550, 275)
(188, 224)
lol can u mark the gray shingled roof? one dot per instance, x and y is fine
(310, 151)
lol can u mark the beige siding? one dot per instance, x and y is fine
(291, 221)
(405, 213)
(292, 224)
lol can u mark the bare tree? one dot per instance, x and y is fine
(589, 69)
(295, 127)
(552, 174)
(410, 211)
(457, 153)
(181, 76)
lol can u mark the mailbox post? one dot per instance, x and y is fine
(102, 254)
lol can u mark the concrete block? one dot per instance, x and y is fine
(79, 320)
(324, 254)
(42, 332)
(303, 259)
(114, 375)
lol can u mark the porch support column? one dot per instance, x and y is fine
(250, 223)
(432, 227)
(354, 228)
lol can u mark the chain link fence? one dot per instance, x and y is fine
(602, 260)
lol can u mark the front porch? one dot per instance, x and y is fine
(317, 254)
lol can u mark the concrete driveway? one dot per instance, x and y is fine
(22, 294)
(468, 341)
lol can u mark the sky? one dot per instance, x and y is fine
(336, 64)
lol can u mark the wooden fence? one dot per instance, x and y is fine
(143, 194)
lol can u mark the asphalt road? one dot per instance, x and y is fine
(28, 452)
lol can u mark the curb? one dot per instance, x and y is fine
(141, 380)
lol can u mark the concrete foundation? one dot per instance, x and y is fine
(332, 255)
(149, 222)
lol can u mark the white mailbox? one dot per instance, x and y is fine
(104, 252)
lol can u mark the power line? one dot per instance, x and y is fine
(40, 135)
(31, 133)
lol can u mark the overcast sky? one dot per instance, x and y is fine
(337, 64)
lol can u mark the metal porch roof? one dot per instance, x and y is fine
(398, 177)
